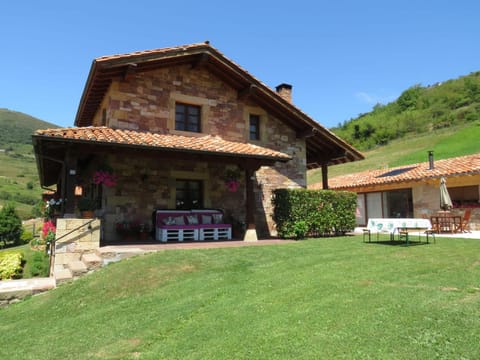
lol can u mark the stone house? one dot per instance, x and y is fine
(168, 127)
(414, 190)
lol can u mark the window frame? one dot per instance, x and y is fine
(254, 121)
(186, 115)
(191, 194)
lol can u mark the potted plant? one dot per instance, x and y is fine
(86, 206)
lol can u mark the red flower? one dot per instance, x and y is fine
(48, 226)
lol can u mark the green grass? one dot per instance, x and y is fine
(333, 298)
(446, 143)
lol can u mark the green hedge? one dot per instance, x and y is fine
(300, 212)
(11, 265)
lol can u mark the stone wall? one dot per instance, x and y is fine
(75, 238)
(146, 102)
(426, 202)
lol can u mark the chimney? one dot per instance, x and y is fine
(285, 91)
(430, 160)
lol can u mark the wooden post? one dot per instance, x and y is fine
(69, 182)
(325, 176)
(251, 233)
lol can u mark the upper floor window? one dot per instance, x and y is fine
(254, 127)
(187, 117)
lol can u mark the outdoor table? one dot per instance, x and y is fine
(402, 226)
(446, 223)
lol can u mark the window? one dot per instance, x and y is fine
(254, 127)
(189, 194)
(187, 117)
(388, 204)
(465, 196)
(398, 204)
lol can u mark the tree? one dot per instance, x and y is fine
(408, 99)
(10, 225)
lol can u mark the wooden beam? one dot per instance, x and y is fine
(245, 93)
(310, 132)
(129, 72)
(202, 61)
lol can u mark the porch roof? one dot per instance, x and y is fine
(458, 166)
(322, 145)
(47, 143)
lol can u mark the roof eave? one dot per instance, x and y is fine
(39, 138)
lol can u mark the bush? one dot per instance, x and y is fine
(321, 212)
(40, 264)
(11, 265)
(26, 237)
(10, 225)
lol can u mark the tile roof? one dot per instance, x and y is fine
(459, 166)
(207, 144)
(106, 68)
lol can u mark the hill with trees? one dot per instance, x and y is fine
(17, 128)
(19, 183)
(418, 110)
(444, 117)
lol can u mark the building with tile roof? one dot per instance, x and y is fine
(170, 126)
(413, 190)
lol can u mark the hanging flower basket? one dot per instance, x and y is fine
(232, 185)
(232, 179)
(105, 177)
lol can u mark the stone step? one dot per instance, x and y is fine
(111, 254)
(63, 275)
(77, 268)
(92, 261)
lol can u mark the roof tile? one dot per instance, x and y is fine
(463, 165)
(207, 143)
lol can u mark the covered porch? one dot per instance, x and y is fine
(124, 176)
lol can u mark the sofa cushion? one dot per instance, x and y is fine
(217, 218)
(179, 220)
(169, 220)
(192, 219)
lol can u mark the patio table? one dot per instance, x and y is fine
(402, 226)
(446, 223)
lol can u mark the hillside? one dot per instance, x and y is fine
(17, 128)
(418, 110)
(445, 143)
(18, 172)
(330, 298)
(444, 117)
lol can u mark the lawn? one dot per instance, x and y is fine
(331, 298)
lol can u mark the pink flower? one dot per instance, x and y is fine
(232, 185)
(104, 177)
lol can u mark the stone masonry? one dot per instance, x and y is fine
(146, 102)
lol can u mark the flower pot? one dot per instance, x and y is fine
(87, 214)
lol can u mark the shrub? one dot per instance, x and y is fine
(11, 265)
(40, 264)
(10, 225)
(322, 212)
(26, 237)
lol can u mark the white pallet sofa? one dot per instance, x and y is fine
(191, 225)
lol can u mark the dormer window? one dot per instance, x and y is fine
(187, 117)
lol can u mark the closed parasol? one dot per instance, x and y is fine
(445, 200)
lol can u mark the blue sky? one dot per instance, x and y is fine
(342, 57)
